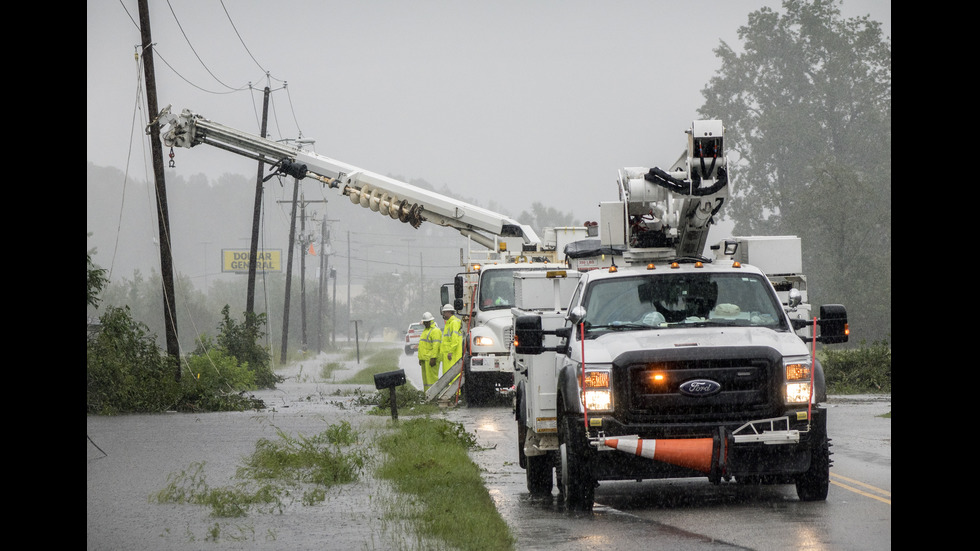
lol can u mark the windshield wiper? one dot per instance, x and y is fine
(617, 325)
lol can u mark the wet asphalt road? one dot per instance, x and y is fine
(693, 514)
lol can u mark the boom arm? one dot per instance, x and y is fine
(398, 200)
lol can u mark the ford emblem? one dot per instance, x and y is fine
(700, 387)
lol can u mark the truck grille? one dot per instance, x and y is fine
(508, 337)
(747, 384)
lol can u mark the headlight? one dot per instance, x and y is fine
(596, 393)
(797, 380)
(482, 341)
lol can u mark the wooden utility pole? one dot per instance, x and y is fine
(289, 273)
(163, 218)
(289, 267)
(256, 215)
(319, 299)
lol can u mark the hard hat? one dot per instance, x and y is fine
(448, 307)
(427, 316)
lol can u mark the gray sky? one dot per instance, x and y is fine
(504, 100)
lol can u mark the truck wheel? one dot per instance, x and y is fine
(537, 469)
(472, 387)
(408, 350)
(539, 475)
(815, 482)
(521, 428)
(577, 479)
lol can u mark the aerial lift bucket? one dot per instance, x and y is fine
(708, 455)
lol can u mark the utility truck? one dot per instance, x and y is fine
(485, 293)
(502, 243)
(664, 363)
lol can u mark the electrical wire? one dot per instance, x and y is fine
(241, 39)
(188, 40)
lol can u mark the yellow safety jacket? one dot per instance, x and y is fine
(429, 342)
(451, 348)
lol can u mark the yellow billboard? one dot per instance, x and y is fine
(236, 261)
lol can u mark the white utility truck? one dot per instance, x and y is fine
(664, 363)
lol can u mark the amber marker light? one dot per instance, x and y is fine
(597, 379)
(796, 372)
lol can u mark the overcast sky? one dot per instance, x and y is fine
(511, 101)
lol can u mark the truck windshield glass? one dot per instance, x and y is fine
(678, 300)
(497, 289)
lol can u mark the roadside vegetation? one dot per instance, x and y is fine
(279, 473)
(426, 458)
(863, 370)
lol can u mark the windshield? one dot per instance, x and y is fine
(497, 289)
(674, 300)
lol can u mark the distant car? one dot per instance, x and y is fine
(412, 337)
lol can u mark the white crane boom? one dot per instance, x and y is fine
(398, 200)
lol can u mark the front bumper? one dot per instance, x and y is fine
(491, 363)
(776, 448)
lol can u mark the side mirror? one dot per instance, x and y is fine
(528, 337)
(457, 287)
(833, 324)
(575, 315)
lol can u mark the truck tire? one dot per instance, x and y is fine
(577, 479)
(408, 350)
(814, 484)
(473, 386)
(520, 415)
(537, 469)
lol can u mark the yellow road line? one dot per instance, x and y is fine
(862, 492)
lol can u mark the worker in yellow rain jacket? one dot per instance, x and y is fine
(451, 349)
(429, 349)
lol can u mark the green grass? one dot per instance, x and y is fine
(278, 473)
(427, 458)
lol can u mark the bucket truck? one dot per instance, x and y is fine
(662, 363)
(507, 244)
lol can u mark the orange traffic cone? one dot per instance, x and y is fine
(693, 453)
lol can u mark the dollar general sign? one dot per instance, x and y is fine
(236, 261)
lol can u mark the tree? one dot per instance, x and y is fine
(542, 217)
(96, 280)
(807, 108)
(387, 301)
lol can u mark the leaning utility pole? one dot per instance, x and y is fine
(163, 218)
(256, 215)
